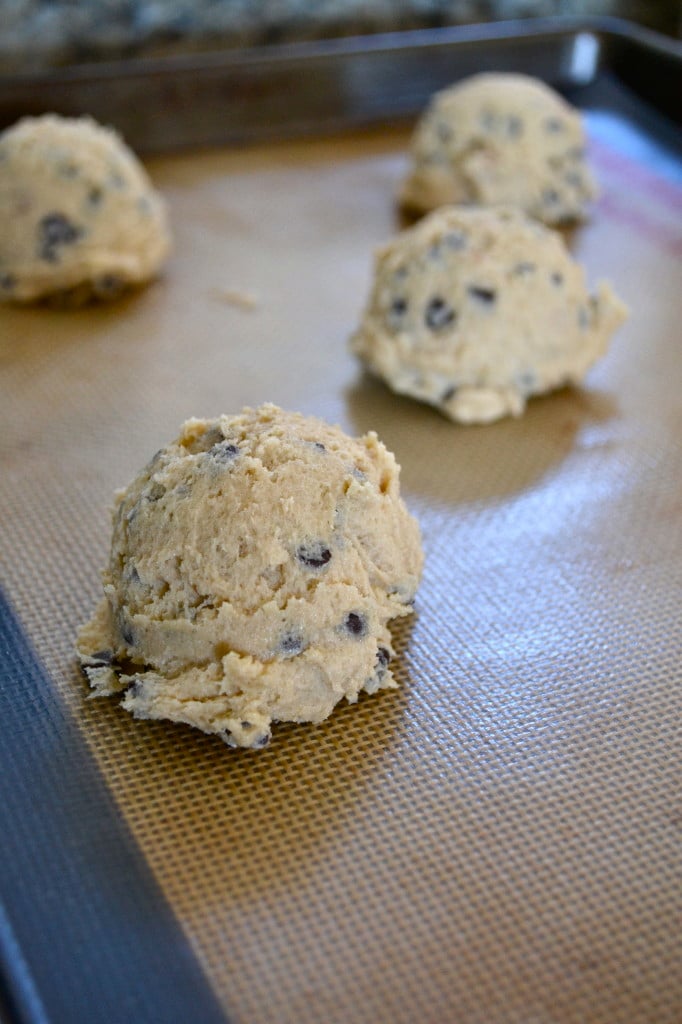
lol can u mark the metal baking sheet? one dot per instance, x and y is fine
(495, 842)
(280, 91)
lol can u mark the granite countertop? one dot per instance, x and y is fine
(38, 34)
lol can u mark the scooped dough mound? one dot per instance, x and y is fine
(80, 217)
(255, 563)
(500, 139)
(474, 310)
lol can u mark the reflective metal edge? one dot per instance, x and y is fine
(86, 934)
(320, 87)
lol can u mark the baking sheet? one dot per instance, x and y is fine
(498, 839)
(320, 87)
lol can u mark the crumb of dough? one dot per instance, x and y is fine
(255, 564)
(240, 298)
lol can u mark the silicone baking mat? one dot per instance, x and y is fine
(498, 840)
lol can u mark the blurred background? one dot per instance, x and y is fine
(38, 34)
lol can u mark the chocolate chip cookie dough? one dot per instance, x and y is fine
(255, 563)
(79, 215)
(500, 138)
(475, 310)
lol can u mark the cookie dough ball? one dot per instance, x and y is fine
(79, 214)
(500, 139)
(255, 564)
(474, 310)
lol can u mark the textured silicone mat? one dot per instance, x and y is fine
(498, 840)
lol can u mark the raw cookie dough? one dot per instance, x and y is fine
(255, 563)
(79, 214)
(500, 138)
(474, 310)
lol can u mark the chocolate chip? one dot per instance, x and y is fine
(319, 446)
(584, 318)
(550, 196)
(523, 269)
(54, 230)
(108, 286)
(526, 381)
(355, 624)
(68, 170)
(95, 196)
(557, 278)
(290, 645)
(7, 282)
(127, 633)
(554, 125)
(514, 126)
(448, 394)
(455, 240)
(486, 296)
(131, 575)
(439, 314)
(313, 556)
(395, 316)
(260, 741)
(223, 451)
(574, 179)
(488, 120)
(383, 657)
(102, 657)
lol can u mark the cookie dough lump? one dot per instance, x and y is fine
(500, 138)
(255, 564)
(79, 215)
(474, 310)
